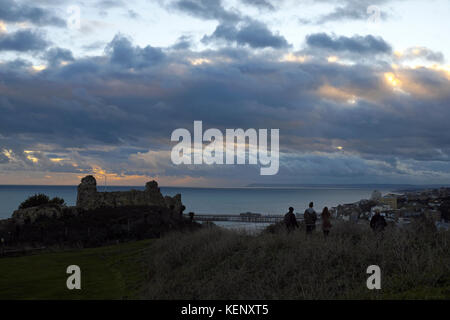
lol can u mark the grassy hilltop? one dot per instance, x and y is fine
(113, 272)
(214, 263)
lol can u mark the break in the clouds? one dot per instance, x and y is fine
(352, 106)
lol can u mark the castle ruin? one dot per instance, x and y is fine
(89, 198)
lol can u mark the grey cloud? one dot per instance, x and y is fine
(253, 33)
(15, 65)
(206, 9)
(98, 101)
(183, 43)
(132, 14)
(123, 53)
(107, 4)
(233, 26)
(357, 44)
(352, 10)
(13, 11)
(422, 52)
(57, 55)
(262, 4)
(94, 45)
(23, 40)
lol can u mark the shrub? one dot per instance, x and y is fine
(39, 200)
(34, 201)
(221, 264)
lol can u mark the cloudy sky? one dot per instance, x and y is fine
(360, 89)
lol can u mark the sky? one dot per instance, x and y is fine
(359, 89)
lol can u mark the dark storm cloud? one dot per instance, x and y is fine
(100, 102)
(23, 40)
(15, 11)
(356, 44)
(253, 33)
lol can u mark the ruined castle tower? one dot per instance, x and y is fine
(87, 191)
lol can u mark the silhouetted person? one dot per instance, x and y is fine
(310, 218)
(191, 216)
(2, 246)
(326, 224)
(182, 210)
(378, 223)
(290, 220)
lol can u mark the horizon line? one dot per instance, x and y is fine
(248, 186)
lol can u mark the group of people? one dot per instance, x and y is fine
(310, 218)
(377, 223)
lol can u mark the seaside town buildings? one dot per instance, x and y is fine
(432, 204)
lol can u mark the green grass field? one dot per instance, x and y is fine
(114, 272)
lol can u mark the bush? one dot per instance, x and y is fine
(34, 201)
(39, 200)
(58, 201)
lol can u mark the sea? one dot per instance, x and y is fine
(264, 200)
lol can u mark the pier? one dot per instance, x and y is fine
(254, 218)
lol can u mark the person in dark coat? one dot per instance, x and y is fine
(378, 223)
(310, 218)
(326, 224)
(290, 220)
